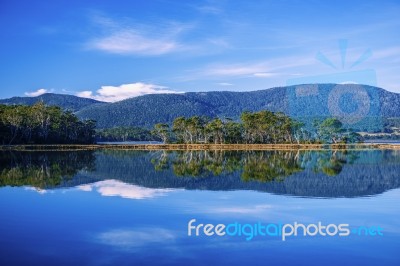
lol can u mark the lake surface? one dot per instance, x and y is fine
(134, 207)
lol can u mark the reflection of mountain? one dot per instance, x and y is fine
(308, 174)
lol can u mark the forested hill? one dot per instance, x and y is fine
(147, 110)
(65, 101)
(297, 101)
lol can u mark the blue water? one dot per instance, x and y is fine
(112, 215)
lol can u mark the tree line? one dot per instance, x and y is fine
(254, 128)
(41, 124)
(125, 134)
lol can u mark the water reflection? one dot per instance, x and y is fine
(109, 188)
(255, 165)
(43, 169)
(139, 174)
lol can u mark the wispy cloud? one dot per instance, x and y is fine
(37, 93)
(264, 74)
(116, 188)
(269, 68)
(209, 9)
(388, 53)
(234, 69)
(132, 42)
(134, 39)
(219, 42)
(124, 91)
(242, 210)
(135, 238)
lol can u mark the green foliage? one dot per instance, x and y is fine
(190, 130)
(330, 130)
(20, 124)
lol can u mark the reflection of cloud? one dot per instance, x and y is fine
(242, 210)
(123, 190)
(127, 238)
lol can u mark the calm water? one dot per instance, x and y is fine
(133, 208)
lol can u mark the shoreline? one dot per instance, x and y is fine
(199, 147)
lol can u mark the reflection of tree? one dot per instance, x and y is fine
(197, 163)
(160, 162)
(201, 163)
(262, 166)
(42, 169)
(269, 166)
(331, 162)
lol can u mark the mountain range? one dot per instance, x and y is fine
(300, 101)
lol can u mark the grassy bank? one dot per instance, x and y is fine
(239, 147)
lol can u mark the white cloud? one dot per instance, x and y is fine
(85, 94)
(110, 188)
(124, 91)
(36, 93)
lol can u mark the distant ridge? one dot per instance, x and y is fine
(65, 101)
(147, 110)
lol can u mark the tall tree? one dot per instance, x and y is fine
(162, 130)
(330, 130)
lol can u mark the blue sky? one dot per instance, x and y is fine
(111, 50)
